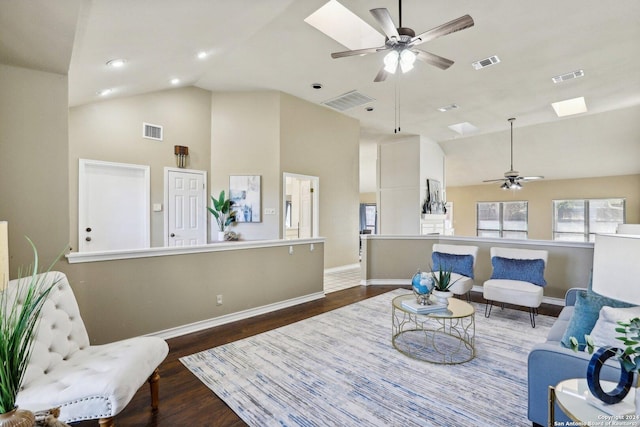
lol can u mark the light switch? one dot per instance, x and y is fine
(269, 211)
(157, 207)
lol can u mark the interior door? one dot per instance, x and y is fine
(301, 194)
(185, 216)
(306, 202)
(113, 206)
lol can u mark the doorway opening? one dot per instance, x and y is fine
(300, 206)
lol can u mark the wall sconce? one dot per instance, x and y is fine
(181, 153)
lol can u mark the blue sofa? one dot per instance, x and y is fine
(550, 362)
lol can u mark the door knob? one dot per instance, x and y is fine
(172, 235)
(88, 239)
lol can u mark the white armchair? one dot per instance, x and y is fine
(86, 381)
(463, 283)
(517, 278)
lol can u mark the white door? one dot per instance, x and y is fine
(301, 195)
(185, 201)
(306, 203)
(113, 206)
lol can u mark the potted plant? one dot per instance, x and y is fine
(18, 323)
(222, 210)
(441, 284)
(629, 358)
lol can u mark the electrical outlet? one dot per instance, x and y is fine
(219, 300)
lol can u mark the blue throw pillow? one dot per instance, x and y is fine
(526, 270)
(461, 264)
(585, 315)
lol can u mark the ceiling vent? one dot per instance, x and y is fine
(348, 100)
(487, 62)
(568, 76)
(152, 131)
(448, 108)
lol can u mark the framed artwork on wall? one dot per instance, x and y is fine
(245, 193)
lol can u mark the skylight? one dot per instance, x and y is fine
(570, 107)
(464, 128)
(344, 26)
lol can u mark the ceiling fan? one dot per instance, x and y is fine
(512, 178)
(401, 43)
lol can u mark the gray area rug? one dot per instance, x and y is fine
(340, 369)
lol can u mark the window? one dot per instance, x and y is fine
(502, 219)
(579, 220)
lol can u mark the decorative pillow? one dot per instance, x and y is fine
(461, 264)
(526, 270)
(604, 332)
(585, 315)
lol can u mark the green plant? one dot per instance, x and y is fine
(442, 280)
(20, 309)
(222, 211)
(629, 355)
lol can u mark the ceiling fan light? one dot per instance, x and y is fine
(516, 186)
(505, 185)
(391, 61)
(407, 59)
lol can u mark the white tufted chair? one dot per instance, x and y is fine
(86, 382)
(515, 292)
(463, 284)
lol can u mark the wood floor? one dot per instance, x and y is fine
(185, 401)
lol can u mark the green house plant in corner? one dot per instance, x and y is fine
(223, 212)
(20, 307)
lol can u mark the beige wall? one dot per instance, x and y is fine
(320, 142)
(395, 259)
(111, 131)
(245, 140)
(34, 192)
(540, 196)
(125, 298)
(368, 198)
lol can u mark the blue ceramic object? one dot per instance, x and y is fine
(593, 377)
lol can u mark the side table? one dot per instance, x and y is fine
(571, 396)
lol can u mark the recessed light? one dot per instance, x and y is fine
(175, 81)
(116, 63)
(569, 107)
(448, 108)
(202, 54)
(316, 85)
(369, 109)
(104, 92)
(487, 62)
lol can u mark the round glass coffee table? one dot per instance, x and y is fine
(445, 336)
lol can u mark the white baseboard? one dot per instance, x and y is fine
(233, 317)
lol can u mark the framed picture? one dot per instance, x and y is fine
(245, 193)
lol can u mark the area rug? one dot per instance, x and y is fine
(340, 369)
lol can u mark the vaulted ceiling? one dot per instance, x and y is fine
(267, 45)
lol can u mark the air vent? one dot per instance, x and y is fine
(152, 131)
(568, 76)
(483, 63)
(348, 100)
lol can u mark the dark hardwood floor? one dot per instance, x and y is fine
(185, 401)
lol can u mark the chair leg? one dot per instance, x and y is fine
(468, 296)
(106, 422)
(488, 305)
(532, 316)
(154, 387)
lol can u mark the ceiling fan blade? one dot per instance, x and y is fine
(357, 52)
(383, 17)
(381, 76)
(495, 180)
(432, 59)
(529, 178)
(450, 27)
